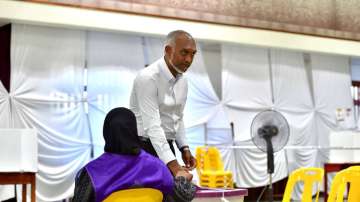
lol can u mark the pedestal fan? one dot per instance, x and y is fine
(270, 133)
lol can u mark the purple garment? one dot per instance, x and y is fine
(112, 172)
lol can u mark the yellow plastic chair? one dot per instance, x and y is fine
(210, 169)
(310, 177)
(349, 176)
(136, 195)
(354, 193)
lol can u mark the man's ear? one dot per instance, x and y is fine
(168, 50)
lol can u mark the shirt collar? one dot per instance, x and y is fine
(167, 73)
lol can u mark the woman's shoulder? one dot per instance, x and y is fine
(148, 157)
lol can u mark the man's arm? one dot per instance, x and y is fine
(146, 92)
(188, 158)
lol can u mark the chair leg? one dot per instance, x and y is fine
(33, 189)
(24, 193)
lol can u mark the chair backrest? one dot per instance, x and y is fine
(310, 177)
(347, 176)
(354, 193)
(209, 159)
(136, 195)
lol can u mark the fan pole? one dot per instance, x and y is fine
(266, 125)
(270, 191)
(270, 161)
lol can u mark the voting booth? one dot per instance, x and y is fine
(19, 158)
(344, 152)
(345, 147)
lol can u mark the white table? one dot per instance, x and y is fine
(215, 195)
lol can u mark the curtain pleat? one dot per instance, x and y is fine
(47, 94)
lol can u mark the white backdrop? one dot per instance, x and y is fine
(4, 107)
(46, 94)
(112, 62)
(8, 190)
(51, 66)
(249, 69)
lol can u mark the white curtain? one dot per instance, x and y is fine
(46, 94)
(153, 48)
(332, 82)
(4, 107)
(293, 98)
(205, 118)
(247, 90)
(246, 85)
(113, 61)
(64, 81)
(6, 191)
(300, 86)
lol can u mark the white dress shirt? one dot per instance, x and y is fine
(158, 101)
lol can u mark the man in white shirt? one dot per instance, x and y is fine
(158, 99)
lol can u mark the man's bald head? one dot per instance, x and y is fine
(174, 35)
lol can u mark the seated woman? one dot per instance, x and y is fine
(124, 165)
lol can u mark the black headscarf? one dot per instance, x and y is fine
(120, 132)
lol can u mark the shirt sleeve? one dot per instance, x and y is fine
(146, 92)
(180, 135)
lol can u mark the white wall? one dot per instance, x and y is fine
(62, 16)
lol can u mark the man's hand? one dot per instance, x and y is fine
(189, 160)
(177, 170)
